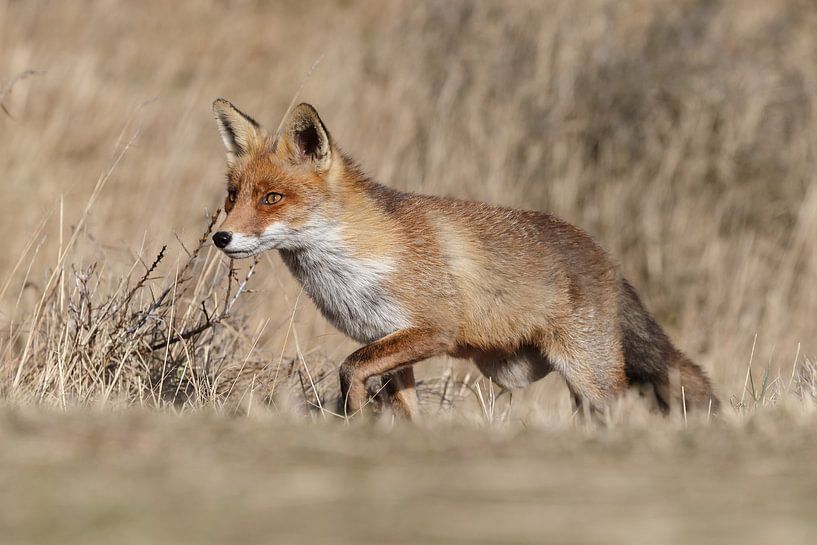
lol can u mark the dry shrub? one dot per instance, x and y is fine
(93, 337)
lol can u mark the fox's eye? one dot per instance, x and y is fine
(231, 195)
(272, 198)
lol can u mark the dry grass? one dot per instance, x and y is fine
(682, 135)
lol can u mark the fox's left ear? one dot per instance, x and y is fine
(307, 137)
(239, 131)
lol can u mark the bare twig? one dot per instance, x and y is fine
(8, 86)
(294, 99)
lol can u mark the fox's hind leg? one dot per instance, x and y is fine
(594, 382)
(592, 366)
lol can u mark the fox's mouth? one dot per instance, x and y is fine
(239, 254)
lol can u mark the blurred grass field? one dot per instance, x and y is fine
(140, 477)
(681, 134)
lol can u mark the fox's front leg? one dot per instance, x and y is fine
(399, 349)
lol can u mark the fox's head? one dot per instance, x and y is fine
(276, 187)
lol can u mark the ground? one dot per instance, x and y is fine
(141, 477)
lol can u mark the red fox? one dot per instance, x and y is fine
(521, 293)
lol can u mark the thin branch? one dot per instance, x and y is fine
(7, 87)
(294, 99)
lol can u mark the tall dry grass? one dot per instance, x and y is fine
(682, 135)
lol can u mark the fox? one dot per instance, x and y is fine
(521, 293)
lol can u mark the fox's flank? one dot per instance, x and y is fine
(521, 293)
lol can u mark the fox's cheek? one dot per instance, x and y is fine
(275, 230)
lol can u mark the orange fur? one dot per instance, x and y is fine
(412, 276)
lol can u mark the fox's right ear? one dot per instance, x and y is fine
(307, 137)
(239, 131)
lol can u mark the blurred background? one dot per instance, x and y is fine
(682, 134)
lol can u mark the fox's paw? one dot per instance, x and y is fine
(375, 403)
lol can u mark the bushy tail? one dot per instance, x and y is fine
(651, 359)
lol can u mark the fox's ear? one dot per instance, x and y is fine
(239, 131)
(307, 137)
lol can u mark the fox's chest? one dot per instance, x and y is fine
(350, 292)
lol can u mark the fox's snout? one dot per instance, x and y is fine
(238, 245)
(222, 238)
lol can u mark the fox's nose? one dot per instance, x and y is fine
(222, 238)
